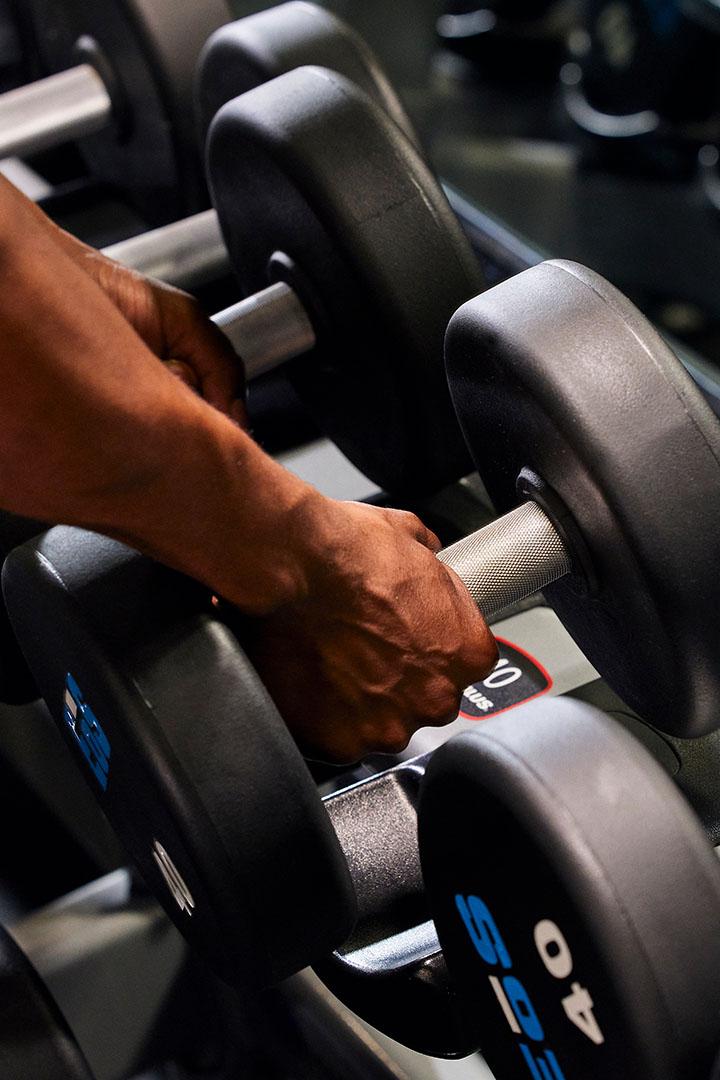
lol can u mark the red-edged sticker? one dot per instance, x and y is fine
(516, 678)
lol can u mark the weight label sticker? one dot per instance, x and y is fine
(87, 731)
(516, 678)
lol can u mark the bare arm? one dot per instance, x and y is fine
(365, 636)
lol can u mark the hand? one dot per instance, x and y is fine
(175, 329)
(384, 641)
(170, 322)
(362, 635)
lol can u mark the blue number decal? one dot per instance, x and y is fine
(517, 995)
(483, 930)
(542, 1068)
(88, 733)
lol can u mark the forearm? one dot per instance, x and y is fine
(94, 432)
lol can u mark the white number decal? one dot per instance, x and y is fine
(502, 675)
(553, 949)
(578, 1008)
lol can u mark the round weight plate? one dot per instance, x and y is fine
(555, 371)
(248, 52)
(576, 898)
(185, 753)
(147, 50)
(35, 1040)
(336, 201)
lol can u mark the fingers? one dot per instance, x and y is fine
(480, 653)
(218, 370)
(190, 338)
(187, 374)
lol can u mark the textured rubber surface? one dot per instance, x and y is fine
(35, 1040)
(556, 371)
(375, 253)
(555, 814)
(248, 52)
(202, 776)
(151, 49)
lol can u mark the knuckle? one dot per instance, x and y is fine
(443, 704)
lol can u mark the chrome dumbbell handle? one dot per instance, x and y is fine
(267, 329)
(54, 110)
(510, 559)
(187, 253)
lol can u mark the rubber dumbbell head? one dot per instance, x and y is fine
(568, 398)
(576, 899)
(318, 190)
(250, 51)
(185, 752)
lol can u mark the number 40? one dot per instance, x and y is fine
(557, 958)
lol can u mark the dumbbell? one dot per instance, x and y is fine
(643, 81)
(576, 900)
(572, 406)
(568, 883)
(330, 212)
(133, 99)
(237, 57)
(250, 51)
(352, 259)
(123, 83)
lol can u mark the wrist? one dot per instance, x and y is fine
(227, 514)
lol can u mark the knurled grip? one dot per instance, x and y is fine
(510, 559)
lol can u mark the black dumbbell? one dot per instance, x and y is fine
(580, 406)
(250, 51)
(126, 84)
(566, 393)
(123, 83)
(339, 216)
(576, 899)
(643, 81)
(353, 261)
